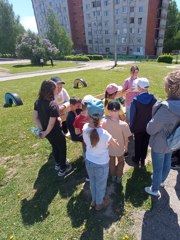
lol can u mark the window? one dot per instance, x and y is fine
(131, 9)
(139, 30)
(131, 20)
(98, 13)
(124, 20)
(138, 49)
(131, 30)
(117, 1)
(140, 9)
(106, 23)
(124, 9)
(106, 32)
(117, 21)
(123, 49)
(89, 33)
(89, 24)
(117, 11)
(139, 40)
(96, 4)
(107, 50)
(106, 3)
(107, 40)
(139, 20)
(90, 41)
(123, 40)
(88, 6)
(105, 13)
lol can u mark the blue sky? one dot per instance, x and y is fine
(24, 9)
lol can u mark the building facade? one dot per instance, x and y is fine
(129, 27)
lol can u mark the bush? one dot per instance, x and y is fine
(76, 58)
(95, 57)
(165, 58)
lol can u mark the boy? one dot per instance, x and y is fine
(74, 106)
(62, 99)
(140, 115)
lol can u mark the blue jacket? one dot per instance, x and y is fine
(141, 111)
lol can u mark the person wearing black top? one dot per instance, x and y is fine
(47, 118)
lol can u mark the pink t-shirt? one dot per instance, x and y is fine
(130, 95)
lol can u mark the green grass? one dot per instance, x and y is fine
(35, 203)
(24, 67)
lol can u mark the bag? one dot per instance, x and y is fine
(173, 140)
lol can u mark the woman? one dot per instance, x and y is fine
(165, 115)
(46, 117)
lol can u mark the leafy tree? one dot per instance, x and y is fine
(31, 46)
(57, 35)
(10, 28)
(172, 27)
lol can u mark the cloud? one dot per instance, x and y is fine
(29, 22)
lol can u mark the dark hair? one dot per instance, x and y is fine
(74, 100)
(94, 136)
(107, 95)
(134, 68)
(114, 106)
(172, 85)
(46, 91)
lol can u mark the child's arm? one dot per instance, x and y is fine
(126, 140)
(114, 142)
(50, 126)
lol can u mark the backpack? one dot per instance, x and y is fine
(173, 139)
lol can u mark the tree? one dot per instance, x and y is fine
(172, 27)
(10, 28)
(57, 35)
(31, 46)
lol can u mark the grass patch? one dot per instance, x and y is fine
(35, 202)
(24, 67)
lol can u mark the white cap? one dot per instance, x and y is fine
(142, 83)
(87, 99)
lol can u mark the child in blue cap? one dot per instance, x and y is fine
(97, 141)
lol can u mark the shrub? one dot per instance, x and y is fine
(95, 57)
(76, 58)
(165, 58)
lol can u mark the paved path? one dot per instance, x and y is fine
(82, 66)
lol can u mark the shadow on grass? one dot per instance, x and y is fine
(94, 223)
(161, 222)
(135, 187)
(47, 186)
(29, 65)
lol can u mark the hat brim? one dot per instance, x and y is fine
(60, 82)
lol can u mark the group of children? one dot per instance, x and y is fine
(104, 127)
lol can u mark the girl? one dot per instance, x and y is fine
(97, 158)
(46, 117)
(113, 91)
(120, 131)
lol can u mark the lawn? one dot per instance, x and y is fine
(24, 67)
(36, 204)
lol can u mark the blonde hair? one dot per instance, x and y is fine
(172, 85)
(94, 136)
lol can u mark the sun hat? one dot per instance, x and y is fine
(87, 98)
(142, 83)
(57, 80)
(113, 106)
(95, 108)
(112, 88)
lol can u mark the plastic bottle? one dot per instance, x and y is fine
(36, 131)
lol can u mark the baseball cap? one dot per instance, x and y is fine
(57, 80)
(112, 88)
(142, 83)
(95, 108)
(113, 106)
(87, 99)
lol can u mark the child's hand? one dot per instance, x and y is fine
(60, 121)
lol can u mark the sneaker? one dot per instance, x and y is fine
(175, 165)
(57, 167)
(153, 193)
(62, 172)
(104, 205)
(162, 184)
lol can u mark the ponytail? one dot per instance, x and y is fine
(94, 136)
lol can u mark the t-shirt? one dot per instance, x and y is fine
(106, 111)
(98, 154)
(47, 109)
(120, 131)
(79, 122)
(62, 98)
(130, 95)
(70, 125)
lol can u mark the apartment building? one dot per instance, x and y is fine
(130, 27)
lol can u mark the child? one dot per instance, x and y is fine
(129, 89)
(113, 91)
(120, 131)
(74, 105)
(62, 99)
(46, 114)
(140, 115)
(97, 157)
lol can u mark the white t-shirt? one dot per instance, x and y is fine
(98, 154)
(62, 98)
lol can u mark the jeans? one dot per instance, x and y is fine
(98, 175)
(161, 167)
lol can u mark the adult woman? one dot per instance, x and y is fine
(165, 115)
(46, 117)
